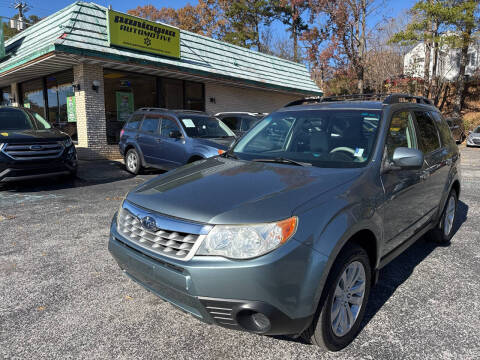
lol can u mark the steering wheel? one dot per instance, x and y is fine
(345, 149)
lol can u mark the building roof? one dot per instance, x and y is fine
(79, 31)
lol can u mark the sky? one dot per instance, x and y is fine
(392, 8)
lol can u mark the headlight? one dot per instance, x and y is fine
(67, 143)
(1, 146)
(247, 241)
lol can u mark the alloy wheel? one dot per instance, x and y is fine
(132, 161)
(449, 216)
(348, 298)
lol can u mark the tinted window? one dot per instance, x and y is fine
(443, 129)
(324, 138)
(150, 124)
(477, 130)
(401, 133)
(168, 125)
(13, 119)
(248, 123)
(428, 135)
(39, 122)
(134, 122)
(204, 127)
(232, 122)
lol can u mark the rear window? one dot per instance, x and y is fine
(134, 122)
(15, 119)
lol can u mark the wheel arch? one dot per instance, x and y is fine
(137, 149)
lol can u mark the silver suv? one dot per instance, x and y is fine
(286, 232)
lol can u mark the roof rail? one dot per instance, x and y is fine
(307, 100)
(151, 109)
(387, 99)
(395, 98)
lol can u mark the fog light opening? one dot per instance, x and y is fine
(253, 321)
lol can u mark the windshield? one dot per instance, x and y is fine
(198, 126)
(477, 130)
(19, 120)
(324, 138)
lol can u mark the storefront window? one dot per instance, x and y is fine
(32, 95)
(5, 96)
(172, 91)
(194, 97)
(59, 89)
(124, 93)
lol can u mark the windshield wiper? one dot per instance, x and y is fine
(228, 154)
(280, 160)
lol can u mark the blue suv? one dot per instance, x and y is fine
(166, 139)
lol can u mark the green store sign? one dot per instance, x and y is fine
(138, 34)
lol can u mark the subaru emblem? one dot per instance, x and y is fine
(149, 223)
(36, 147)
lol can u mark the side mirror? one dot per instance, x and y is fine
(175, 134)
(407, 159)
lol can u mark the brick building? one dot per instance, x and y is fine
(66, 68)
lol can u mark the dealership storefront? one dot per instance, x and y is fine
(87, 68)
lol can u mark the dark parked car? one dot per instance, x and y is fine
(165, 139)
(473, 138)
(286, 232)
(240, 122)
(457, 128)
(30, 148)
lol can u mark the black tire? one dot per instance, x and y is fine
(132, 162)
(440, 234)
(320, 332)
(194, 158)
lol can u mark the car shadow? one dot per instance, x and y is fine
(89, 173)
(398, 271)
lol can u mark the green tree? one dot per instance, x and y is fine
(290, 12)
(439, 23)
(246, 17)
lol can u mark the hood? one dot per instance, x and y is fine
(32, 136)
(226, 191)
(474, 135)
(218, 143)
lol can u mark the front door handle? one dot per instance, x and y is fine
(158, 140)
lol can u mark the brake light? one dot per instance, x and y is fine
(121, 132)
(220, 152)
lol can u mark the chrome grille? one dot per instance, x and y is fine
(476, 141)
(35, 151)
(171, 241)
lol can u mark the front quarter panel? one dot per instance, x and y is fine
(336, 218)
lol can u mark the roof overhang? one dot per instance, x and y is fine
(66, 57)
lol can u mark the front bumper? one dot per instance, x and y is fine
(473, 142)
(15, 170)
(226, 292)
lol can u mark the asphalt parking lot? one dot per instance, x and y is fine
(63, 296)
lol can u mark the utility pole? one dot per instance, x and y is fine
(19, 23)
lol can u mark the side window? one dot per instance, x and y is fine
(401, 133)
(168, 125)
(248, 123)
(232, 122)
(150, 124)
(427, 132)
(134, 122)
(443, 129)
